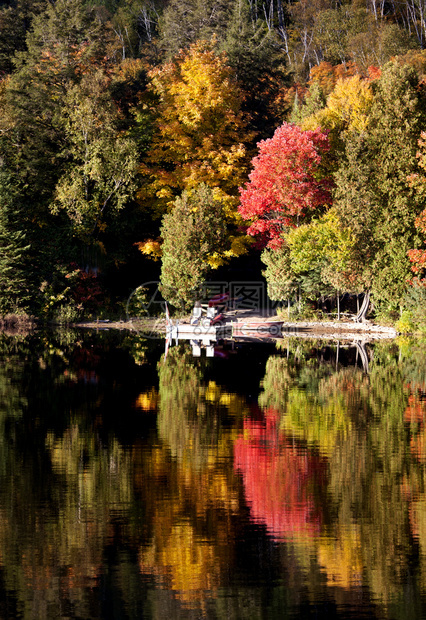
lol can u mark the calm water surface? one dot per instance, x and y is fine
(275, 480)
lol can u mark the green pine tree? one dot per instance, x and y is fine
(13, 283)
(373, 193)
(256, 55)
(192, 233)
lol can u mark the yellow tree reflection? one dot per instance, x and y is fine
(188, 481)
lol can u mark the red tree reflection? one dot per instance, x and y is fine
(281, 479)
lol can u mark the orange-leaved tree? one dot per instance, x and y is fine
(417, 257)
(326, 75)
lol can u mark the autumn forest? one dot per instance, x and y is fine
(172, 139)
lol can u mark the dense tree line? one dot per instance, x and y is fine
(117, 114)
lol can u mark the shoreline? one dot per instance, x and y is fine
(366, 329)
(255, 325)
(252, 326)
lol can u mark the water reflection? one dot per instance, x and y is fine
(192, 542)
(273, 481)
(282, 480)
(61, 485)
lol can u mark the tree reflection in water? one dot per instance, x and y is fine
(193, 526)
(162, 490)
(281, 479)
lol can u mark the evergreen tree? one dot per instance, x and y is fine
(15, 21)
(61, 134)
(255, 54)
(14, 293)
(194, 234)
(356, 203)
(281, 281)
(373, 193)
(313, 103)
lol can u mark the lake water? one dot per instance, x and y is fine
(274, 480)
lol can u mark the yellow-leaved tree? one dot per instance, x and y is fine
(347, 109)
(346, 112)
(198, 132)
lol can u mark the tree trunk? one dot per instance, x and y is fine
(364, 308)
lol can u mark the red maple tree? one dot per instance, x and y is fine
(286, 182)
